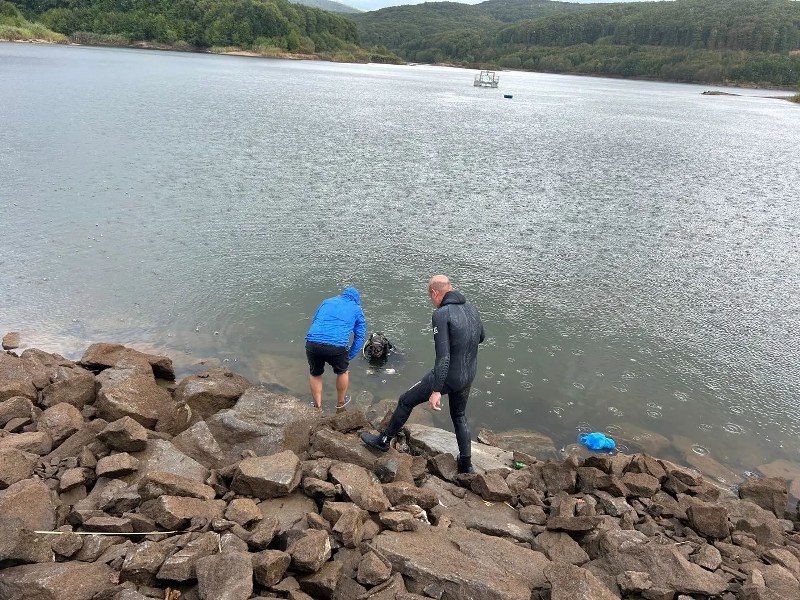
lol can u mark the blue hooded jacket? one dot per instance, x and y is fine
(338, 317)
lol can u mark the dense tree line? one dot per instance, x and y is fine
(203, 23)
(753, 25)
(743, 41)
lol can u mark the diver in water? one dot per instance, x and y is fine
(377, 349)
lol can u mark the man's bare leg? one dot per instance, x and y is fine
(315, 383)
(342, 383)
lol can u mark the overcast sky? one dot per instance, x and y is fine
(376, 4)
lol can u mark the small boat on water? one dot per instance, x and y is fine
(487, 79)
(507, 96)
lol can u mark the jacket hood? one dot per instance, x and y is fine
(351, 293)
(453, 297)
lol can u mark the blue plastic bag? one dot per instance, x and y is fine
(596, 441)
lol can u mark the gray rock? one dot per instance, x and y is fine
(263, 533)
(175, 512)
(492, 487)
(60, 422)
(11, 340)
(560, 547)
(243, 511)
(372, 570)
(290, 511)
(116, 465)
(323, 583)
(142, 562)
(361, 486)
(162, 456)
(35, 442)
(70, 385)
(124, 435)
(16, 407)
(268, 476)
(269, 566)
(138, 397)
(708, 557)
(209, 392)
(263, 422)
(19, 545)
(710, 520)
(432, 441)
(55, 581)
(227, 576)
(342, 448)
(15, 465)
(569, 582)
(463, 563)
(181, 565)
(158, 483)
(102, 356)
(31, 501)
(199, 443)
(771, 494)
(310, 551)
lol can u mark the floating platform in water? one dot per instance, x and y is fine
(487, 79)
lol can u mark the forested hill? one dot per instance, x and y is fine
(398, 26)
(329, 5)
(742, 41)
(754, 25)
(259, 25)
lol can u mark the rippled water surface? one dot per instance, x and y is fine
(633, 246)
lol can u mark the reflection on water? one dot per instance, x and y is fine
(632, 246)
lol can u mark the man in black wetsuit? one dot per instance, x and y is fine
(457, 331)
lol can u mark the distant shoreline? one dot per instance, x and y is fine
(146, 45)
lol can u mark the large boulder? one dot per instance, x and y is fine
(264, 422)
(268, 476)
(176, 512)
(31, 501)
(432, 441)
(464, 563)
(19, 545)
(226, 576)
(15, 465)
(71, 384)
(361, 486)
(199, 443)
(16, 407)
(163, 456)
(55, 581)
(771, 494)
(212, 391)
(138, 397)
(531, 443)
(569, 582)
(35, 442)
(60, 421)
(22, 377)
(124, 435)
(102, 356)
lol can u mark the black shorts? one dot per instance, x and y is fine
(319, 354)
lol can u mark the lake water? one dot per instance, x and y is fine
(634, 247)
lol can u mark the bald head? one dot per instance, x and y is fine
(438, 286)
(439, 283)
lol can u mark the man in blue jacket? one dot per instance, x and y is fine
(327, 339)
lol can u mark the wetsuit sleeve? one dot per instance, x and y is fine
(483, 334)
(441, 341)
(359, 333)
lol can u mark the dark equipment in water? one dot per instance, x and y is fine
(377, 348)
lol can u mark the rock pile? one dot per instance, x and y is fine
(214, 489)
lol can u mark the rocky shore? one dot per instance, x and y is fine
(117, 483)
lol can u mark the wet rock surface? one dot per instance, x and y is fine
(215, 489)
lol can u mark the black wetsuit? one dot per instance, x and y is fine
(457, 331)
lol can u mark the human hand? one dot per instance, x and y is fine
(435, 400)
